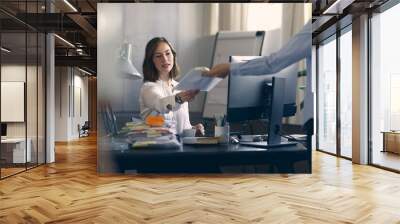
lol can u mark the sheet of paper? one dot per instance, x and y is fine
(193, 80)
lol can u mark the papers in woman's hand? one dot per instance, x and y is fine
(193, 80)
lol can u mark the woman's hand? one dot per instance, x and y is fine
(199, 129)
(219, 70)
(187, 95)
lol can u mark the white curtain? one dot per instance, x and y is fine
(292, 20)
(226, 16)
(233, 17)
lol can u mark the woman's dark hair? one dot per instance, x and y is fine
(150, 72)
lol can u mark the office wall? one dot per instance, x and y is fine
(71, 102)
(33, 126)
(62, 81)
(80, 104)
(15, 72)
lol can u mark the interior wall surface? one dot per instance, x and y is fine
(71, 102)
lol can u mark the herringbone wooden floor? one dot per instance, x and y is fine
(70, 191)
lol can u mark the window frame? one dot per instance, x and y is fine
(347, 27)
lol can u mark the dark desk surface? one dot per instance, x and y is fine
(190, 157)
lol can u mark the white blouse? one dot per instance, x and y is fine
(155, 96)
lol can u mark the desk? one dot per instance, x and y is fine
(16, 148)
(207, 158)
(391, 141)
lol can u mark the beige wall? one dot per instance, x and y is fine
(71, 102)
(17, 73)
(34, 125)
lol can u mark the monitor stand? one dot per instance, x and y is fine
(275, 118)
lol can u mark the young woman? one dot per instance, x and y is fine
(157, 93)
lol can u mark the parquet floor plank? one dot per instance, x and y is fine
(70, 191)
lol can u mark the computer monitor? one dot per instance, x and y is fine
(3, 130)
(270, 96)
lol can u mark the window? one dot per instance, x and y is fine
(327, 96)
(22, 65)
(346, 92)
(385, 84)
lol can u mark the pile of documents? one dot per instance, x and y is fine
(140, 135)
(193, 80)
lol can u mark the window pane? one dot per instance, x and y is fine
(327, 97)
(31, 97)
(385, 87)
(14, 151)
(345, 94)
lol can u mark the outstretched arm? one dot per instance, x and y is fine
(299, 47)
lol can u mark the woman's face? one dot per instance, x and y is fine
(163, 58)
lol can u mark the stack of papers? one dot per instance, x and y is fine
(194, 80)
(140, 135)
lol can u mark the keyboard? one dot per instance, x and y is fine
(200, 140)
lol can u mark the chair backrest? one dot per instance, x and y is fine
(86, 125)
(309, 128)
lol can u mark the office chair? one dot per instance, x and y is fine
(84, 130)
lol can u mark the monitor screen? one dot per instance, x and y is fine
(3, 129)
(247, 94)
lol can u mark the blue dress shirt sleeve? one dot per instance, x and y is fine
(298, 48)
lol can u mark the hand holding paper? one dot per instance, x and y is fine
(219, 70)
(194, 80)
